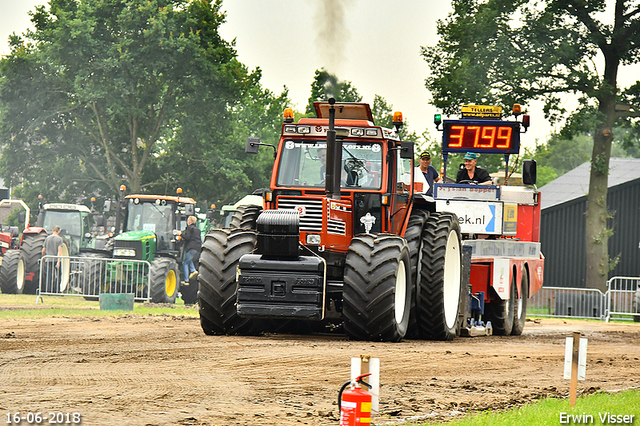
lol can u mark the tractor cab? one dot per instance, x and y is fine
(150, 226)
(75, 222)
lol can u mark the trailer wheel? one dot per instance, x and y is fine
(520, 306)
(441, 289)
(501, 312)
(164, 281)
(249, 216)
(12, 272)
(377, 288)
(413, 235)
(32, 251)
(219, 256)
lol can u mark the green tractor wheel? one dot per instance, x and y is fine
(164, 282)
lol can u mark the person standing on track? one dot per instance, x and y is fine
(192, 243)
(52, 247)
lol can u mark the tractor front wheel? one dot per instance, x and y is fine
(520, 306)
(219, 257)
(164, 282)
(377, 288)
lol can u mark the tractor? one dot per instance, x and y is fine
(340, 243)
(149, 234)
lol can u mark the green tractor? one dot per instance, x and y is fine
(150, 233)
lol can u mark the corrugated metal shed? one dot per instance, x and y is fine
(575, 184)
(564, 203)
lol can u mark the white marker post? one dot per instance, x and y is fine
(365, 364)
(575, 363)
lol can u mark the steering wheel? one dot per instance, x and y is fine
(468, 182)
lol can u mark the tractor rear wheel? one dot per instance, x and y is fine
(441, 289)
(219, 257)
(501, 312)
(32, 251)
(414, 242)
(164, 281)
(12, 272)
(377, 288)
(520, 306)
(249, 216)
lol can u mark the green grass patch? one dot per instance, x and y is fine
(590, 409)
(20, 306)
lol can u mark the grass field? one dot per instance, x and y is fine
(25, 306)
(596, 409)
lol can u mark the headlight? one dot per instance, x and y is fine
(124, 252)
(313, 239)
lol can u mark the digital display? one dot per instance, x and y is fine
(491, 136)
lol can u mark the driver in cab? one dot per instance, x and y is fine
(471, 173)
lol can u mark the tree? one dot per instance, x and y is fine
(107, 85)
(502, 52)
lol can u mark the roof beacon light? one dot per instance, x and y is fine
(123, 188)
(179, 191)
(288, 115)
(516, 110)
(398, 120)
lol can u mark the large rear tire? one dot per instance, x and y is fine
(441, 289)
(164, 282)
(12, 272)
(32, 251)
(219, 256)
(377, 288)
(520, 306)
(414, 243)
(501, 312)
(249, 216)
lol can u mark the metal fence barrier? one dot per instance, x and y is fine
(621, 301)
(567, 302)
(89, 276)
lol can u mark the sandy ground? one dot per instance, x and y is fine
(163, 370)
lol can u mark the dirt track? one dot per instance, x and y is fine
(165, 371)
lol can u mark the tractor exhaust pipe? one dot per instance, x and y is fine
(334, 157)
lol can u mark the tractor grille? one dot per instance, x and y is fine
(311, 218)
(336, 227)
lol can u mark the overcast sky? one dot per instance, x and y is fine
(375, 44)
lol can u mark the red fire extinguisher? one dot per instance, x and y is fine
(355, 403)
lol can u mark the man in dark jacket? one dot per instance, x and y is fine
(472, 173)
(192, 242)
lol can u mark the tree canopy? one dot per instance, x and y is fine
(503, 52)
(140, 92)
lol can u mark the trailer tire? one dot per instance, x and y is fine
(413, 235)
(32, 251)
(164, 280)
(377, 288)
(520, 306)
(501, 312)
(249, 216)
(219, 257)
(12, 272)
(441, 289)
